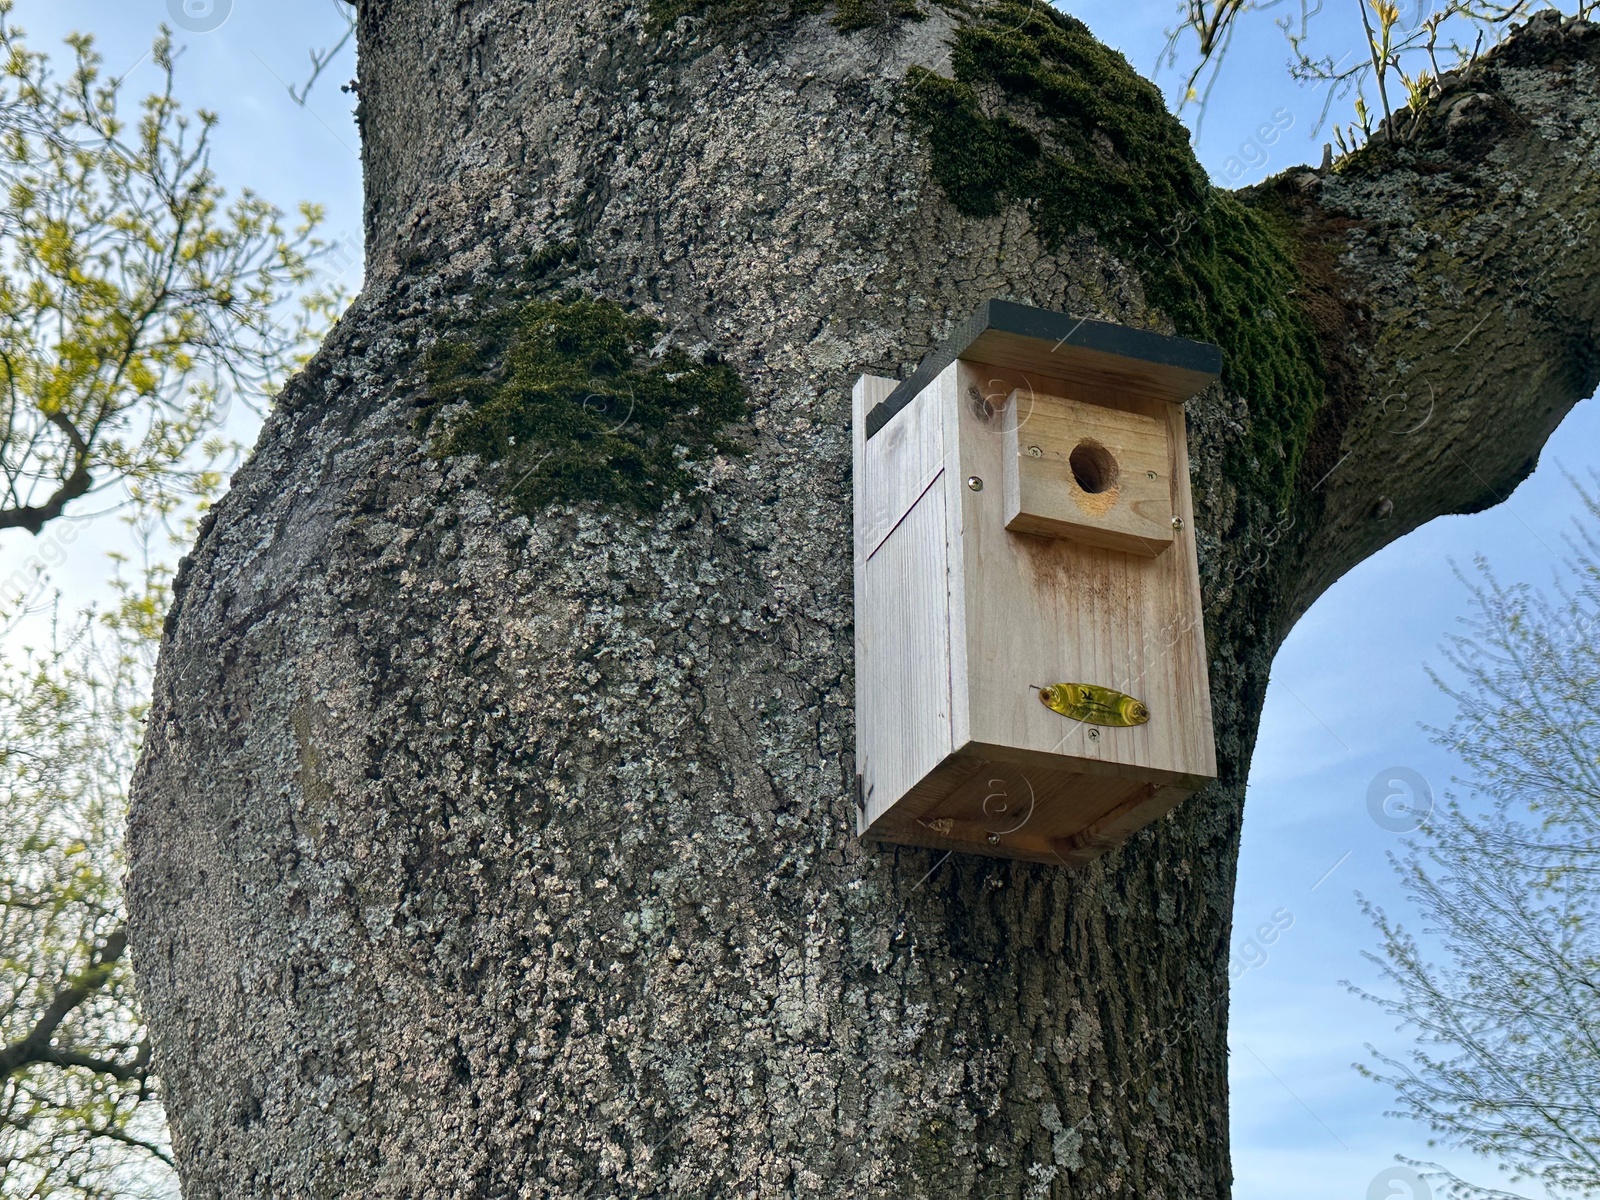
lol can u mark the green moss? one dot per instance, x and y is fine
(549, 261)
(1039, 113)
(562, 397)
(847, 14)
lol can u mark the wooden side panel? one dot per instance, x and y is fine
(903, 684)
(1040, 610)
(954, 483)
(902, 602)
(902, 461)
(1094, 474)
(869, 390)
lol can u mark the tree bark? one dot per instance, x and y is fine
(475, 854)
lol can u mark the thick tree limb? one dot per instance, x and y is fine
(1467, 266)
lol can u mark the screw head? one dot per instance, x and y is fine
(994, 839)
(975, 483)
(1177, 522)
(1094, 735)
(1035, 452)
(1149, 474)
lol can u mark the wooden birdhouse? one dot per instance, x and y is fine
(1030, 661)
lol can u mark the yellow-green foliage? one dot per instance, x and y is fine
(1085, 143)
(563, 397)
(135, 298)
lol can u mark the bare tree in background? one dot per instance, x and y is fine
(323, 58)
(1409, 46)
(78, 1110)
(1506, 882)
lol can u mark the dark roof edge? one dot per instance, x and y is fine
(1023, 320)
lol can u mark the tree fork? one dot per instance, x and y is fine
(474, 854)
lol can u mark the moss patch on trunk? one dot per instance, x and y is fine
(565, 399)
(1042, 114)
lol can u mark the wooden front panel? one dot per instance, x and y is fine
(1041, 610)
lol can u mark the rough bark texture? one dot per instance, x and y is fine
(480, 855)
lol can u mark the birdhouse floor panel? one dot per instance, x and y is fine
(1010, 810)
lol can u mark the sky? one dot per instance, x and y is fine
(1349, 692)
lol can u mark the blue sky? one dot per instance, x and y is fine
(1349, 689)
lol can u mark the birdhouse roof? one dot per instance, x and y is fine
(1098, 354)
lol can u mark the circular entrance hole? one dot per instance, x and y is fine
(1093, 467)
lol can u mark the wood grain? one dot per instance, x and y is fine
(902, 604)
(1132, 511)
(1104, 372)
(1045, 610)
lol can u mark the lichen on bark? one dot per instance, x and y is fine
(1040, 114)
(847, 14)
(567, 400)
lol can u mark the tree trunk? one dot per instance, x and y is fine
(478, 853)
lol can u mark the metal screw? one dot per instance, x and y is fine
(975, 483)
(1177, 522)
(1149, 474)
(1035, 452)
(994, 839)
(1094, 735)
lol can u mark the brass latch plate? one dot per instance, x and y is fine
(1094, 705)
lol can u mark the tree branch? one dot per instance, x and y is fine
(35, 1047)
(135, 1069)
(114, 1134)
(34, 517)
(1467, 321)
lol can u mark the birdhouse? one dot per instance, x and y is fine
(1030, 660)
